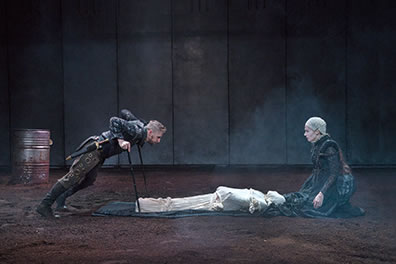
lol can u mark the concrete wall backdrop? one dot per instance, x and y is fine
(233, 80)
(90, 69)
(200, 82)
(4, 100)
(35, 73)
(371, 82)
(316, 59)
(257, 91)
(145, 69)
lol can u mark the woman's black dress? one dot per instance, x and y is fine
(326, 177)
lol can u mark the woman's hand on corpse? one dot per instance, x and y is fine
(318, 201)
(125, 145)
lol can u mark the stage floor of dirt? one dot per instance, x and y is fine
(78, 237)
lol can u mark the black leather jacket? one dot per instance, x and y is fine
(132, 131)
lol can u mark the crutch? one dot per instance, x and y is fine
(134, 180)
(141, 162)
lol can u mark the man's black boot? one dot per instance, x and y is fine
(61, 200)
(44, 208)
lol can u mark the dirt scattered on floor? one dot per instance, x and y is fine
(78, 237)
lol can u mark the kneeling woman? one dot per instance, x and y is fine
(325, 193)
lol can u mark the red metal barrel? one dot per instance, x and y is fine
(30, 156)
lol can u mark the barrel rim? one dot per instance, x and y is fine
(30, 129)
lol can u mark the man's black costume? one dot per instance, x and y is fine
(84, 169)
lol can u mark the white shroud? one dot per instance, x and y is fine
(223, 199)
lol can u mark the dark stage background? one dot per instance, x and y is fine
(234, 81)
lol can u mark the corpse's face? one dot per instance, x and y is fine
(310, 134)
(153, 137)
